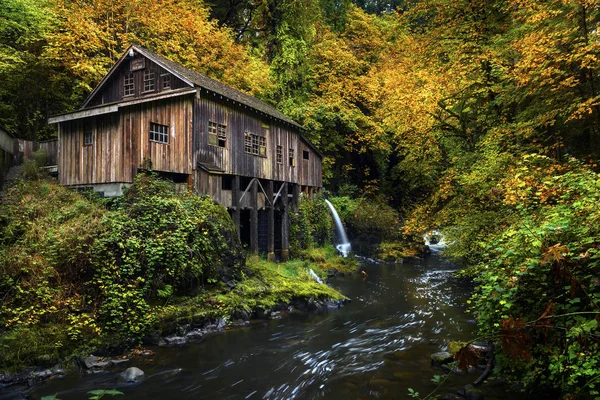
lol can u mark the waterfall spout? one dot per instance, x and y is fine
(343, 246)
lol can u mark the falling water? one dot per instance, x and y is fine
(344, 246)
(439, 245)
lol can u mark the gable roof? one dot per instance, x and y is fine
(197, 79)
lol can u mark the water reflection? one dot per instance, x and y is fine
(376, 347)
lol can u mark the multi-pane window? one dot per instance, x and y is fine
(129, 85)
(87, 137)
(159, 133)
(255, 144)
(148, 79)
(291, 158)
(279, 154)
(217, 134)
(165, 81)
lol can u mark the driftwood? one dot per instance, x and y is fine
(489, 358)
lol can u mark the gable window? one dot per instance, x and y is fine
(165, 81)
(148, 80)
(129, 85)
(279, 155)
(159, 133)
(217, 134)
(305, 154)
(255, 144)
(291, 158)
(87, 137)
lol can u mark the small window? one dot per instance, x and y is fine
(291, 158)
(279, 155)
(87, 137)
(255, 144)
(148, 80)
(217, 134)
(159, 133)
(165, 80)
(305, 154)
(129, 85)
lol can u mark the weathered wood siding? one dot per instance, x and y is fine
(112, 90)
(51, 148)
(232, 159)
(121, 143)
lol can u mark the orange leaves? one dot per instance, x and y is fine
(516, 342)
(467, 357)
(554, 253)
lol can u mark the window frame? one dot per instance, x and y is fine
(156, 135)
(150, 80)
(305, 155)
(217, 133)
(129, 84)
(255, 144)
(88, 137)
(165, 78)
(279, 154)
(291, 157)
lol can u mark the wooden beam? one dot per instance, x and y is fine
(270, 224)
(254, 218)
(277, 195)
(285, 226)
(247, 189)
(235, 203)
(265, 193)
(83, 114)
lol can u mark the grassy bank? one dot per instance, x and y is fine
(79, 273)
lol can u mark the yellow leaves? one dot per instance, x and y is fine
(90, 37)
(555, 253)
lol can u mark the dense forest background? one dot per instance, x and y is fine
(480, 117)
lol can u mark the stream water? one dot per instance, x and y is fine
(377, 346)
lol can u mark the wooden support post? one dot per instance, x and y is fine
(311, 192)
(270, 224)
(235, 203)
(295, 197)
(254, 217)
(285, 225)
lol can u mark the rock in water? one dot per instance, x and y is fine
(442, 357)
(132, 374)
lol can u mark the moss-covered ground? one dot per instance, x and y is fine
(265, 285)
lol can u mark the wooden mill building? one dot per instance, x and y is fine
(149, 112)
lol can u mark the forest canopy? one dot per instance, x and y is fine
(478, 117)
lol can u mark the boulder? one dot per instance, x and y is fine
(194, 336)
(132, 374)
(173, 341)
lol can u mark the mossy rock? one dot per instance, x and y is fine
(454, 347)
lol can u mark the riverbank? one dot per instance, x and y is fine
(82, 275)
(266, 290)
(377, 346)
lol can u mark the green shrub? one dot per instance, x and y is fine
(539, 290)
(311, 225)
(97, 274)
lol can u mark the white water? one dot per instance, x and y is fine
(315, 276)
(344, 246)
(439, 246)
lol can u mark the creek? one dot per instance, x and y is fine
(377, 346)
